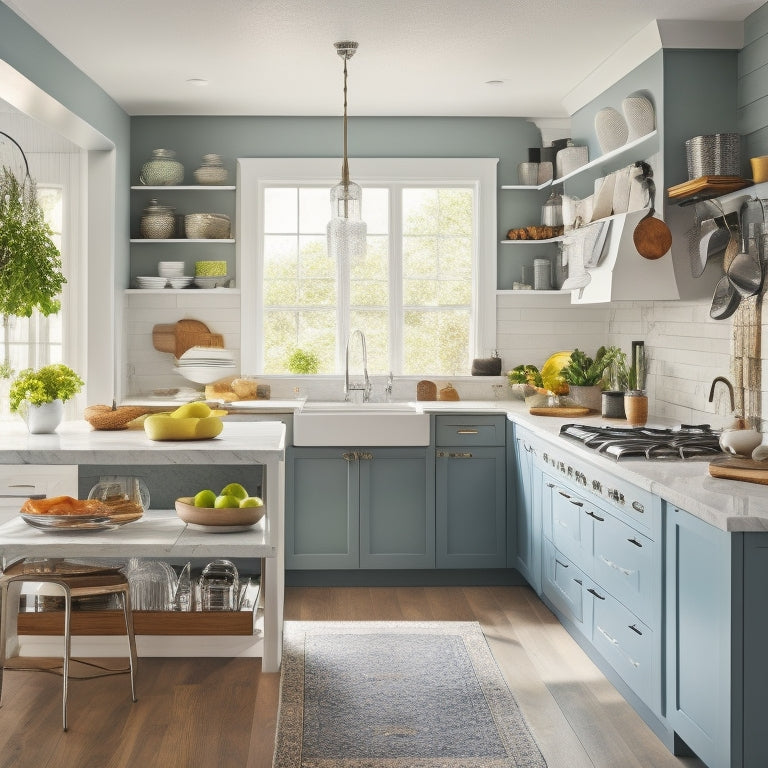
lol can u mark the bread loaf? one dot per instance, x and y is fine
(64, 505)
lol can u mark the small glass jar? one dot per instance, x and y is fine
(162, 170)
(211, 172)
(158, 221)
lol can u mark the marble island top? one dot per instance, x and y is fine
(78, 443)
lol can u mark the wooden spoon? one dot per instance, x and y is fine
(652, 237)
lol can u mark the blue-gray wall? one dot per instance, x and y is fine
(232, 137)
(752, 92)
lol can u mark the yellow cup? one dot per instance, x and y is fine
(759, 168)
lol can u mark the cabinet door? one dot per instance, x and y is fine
(471, 507)
(699, 651)
(527, 557)
(397, 508)
(565, 586)
(321, 511)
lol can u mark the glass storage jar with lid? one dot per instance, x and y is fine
(162, 169)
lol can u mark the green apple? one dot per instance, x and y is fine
(251, 501)
(205, 498)
(226, 502)
(234, 489)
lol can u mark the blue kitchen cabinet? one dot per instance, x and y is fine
(704, 661)
(525, 547)
(470, 491)
(359, 508)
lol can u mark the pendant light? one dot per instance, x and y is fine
(346, 229)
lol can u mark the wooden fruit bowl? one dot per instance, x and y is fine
(214, 518)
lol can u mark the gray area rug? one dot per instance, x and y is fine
(396, 695)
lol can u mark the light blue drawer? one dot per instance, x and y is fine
(465, 430)
(563, 584)
(572, 526)
(623, 563)
(626, 644)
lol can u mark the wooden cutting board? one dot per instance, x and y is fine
(563, 411)
(746, 470)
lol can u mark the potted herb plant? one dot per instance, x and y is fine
(586, 376)
(39, 396)
(30, 263)
(303, 362)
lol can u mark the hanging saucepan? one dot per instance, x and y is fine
(746, 270)
(652, 237)
(726, 298)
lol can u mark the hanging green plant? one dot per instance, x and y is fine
(30, 263)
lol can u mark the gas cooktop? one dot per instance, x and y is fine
(654, 443)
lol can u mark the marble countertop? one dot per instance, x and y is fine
(730, 505)
(77, 442)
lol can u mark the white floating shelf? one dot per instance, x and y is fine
(211, 240)
(532, 292)
(630, 149)
(185, 291)
(558, 239)
(527, 186)
(188, 188)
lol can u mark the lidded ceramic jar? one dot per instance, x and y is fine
(162, 169)
(158, 221)
(211, 171)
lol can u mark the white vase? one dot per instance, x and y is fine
(43, 419)
(639, 114)
(611, 129)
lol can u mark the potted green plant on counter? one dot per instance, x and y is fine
(39, 396)
(587, 377)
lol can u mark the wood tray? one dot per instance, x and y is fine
(562, 411)
(746, 470)
(705, 188)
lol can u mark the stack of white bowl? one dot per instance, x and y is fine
(173, 271)
(150, 281)
(205, 364)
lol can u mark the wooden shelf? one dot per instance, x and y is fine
(144, 623)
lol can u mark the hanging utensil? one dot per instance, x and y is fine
(726, 298)
(652, 237)
(746, 270)
(714, 237)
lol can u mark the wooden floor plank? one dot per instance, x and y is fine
(577, 717)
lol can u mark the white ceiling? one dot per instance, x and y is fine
(416, 57)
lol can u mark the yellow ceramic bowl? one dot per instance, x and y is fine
(164, 426)
(550, 373)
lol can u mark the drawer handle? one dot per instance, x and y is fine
(579, 582)
(364, 456)
(634, 541)
(563, 493)
(460, 455)
(564, 565)
(616, 567)
(596, 594)
(550, 485)
(467, 432)
(22, 495)
(596, 517)
(611, 640)
(576, 503)
(349, 456)
(635, 629)
(638, 507)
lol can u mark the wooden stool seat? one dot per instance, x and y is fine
(74, 580)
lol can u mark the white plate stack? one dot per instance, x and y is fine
(150, 281)
(205, 364)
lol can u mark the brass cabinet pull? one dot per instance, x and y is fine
(467, 431)
(364, 456)
(349, 456)
(460, 455)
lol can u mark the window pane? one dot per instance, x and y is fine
(287, 331)
(375, 210)
(437, 342)
(375, 325)
(314, 210)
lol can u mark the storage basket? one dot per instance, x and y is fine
(718, 154)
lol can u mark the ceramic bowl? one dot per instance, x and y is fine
(189, 513)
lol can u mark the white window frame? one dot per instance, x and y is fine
(254, 174)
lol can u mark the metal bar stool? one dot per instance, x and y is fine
(75, 580)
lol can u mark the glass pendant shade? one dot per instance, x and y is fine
(346, 229)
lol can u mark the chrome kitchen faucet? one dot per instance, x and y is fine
(365, 386)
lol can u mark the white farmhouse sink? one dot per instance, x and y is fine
(360, 424)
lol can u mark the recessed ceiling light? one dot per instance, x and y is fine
(198, 81)
(494, 82)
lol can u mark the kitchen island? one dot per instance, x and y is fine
(160, 533)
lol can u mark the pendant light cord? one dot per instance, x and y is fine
(345, 165)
